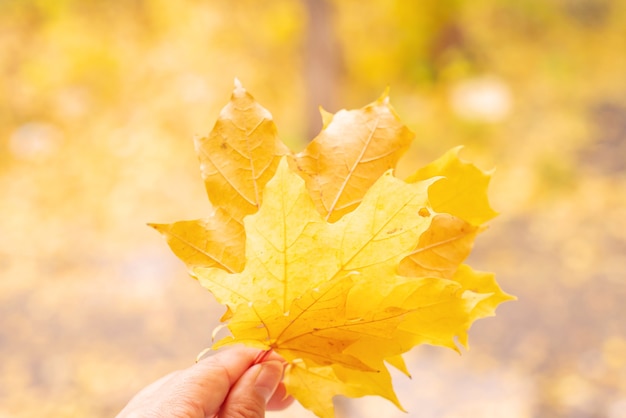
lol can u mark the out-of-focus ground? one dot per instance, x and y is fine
(99, 102)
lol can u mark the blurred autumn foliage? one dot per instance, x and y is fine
(100, 101)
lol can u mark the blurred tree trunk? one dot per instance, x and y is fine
(321, 63)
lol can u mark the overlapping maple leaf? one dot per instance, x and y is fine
(326, 257)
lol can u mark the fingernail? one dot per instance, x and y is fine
(269, 376)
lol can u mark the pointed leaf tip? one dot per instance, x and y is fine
(239, 90)
(384, 98)
(327, 117)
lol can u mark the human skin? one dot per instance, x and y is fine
(229, 384)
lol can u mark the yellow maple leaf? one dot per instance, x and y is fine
(328, 259)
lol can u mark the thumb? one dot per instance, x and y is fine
(249, 396)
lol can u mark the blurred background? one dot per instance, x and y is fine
(99, 102)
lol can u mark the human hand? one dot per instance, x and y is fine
(225, 385)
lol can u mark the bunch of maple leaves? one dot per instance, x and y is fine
(326, 257)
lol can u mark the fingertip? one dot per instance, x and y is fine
(250, 395)
(280, 400)
(268, 376)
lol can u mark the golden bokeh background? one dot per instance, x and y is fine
(99, 104)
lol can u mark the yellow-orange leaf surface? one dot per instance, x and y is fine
(352, 151)
(240, 155)
(326, 257)
(237, 159)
